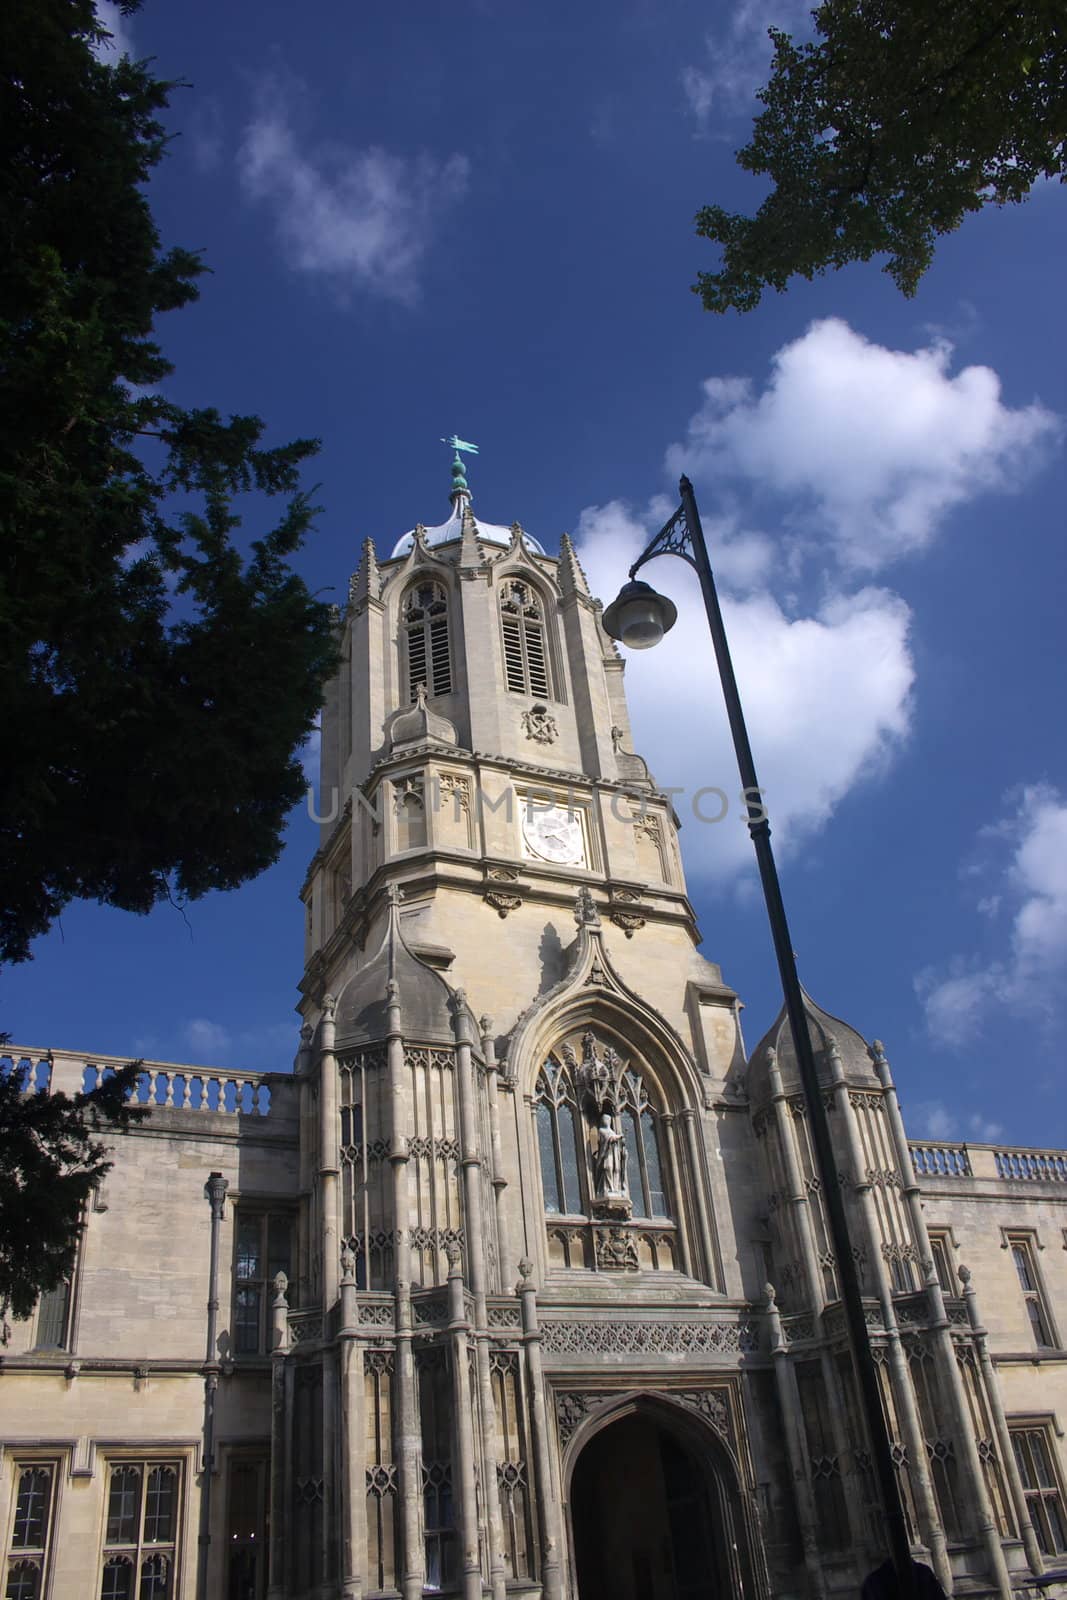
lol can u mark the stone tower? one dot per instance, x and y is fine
(511, 1062)
(520, 1286)
(565, 1317)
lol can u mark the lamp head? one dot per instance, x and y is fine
(639, 617)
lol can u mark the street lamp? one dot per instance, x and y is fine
(639, 617)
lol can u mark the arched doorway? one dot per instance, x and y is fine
(651, 1518)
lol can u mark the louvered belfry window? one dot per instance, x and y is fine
(426, 637)
(522, 623)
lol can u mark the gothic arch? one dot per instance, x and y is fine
(593, 998)
(593, 993)
(516, 567)
(425, 632)
(731, 1497)
(420, 565)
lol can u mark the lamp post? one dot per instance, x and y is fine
(639, 618)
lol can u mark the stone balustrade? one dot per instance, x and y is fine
(161, 1086)
(1049, 1166)
(938, 1159)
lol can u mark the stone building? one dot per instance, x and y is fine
(477, 1301)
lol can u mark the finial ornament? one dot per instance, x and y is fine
(459, 471)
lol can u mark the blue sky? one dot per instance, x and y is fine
(478, 218)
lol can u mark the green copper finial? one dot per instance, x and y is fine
(459, 471)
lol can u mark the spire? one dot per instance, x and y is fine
(572, 580)
(365, 583)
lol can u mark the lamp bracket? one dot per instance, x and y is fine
(674, 539)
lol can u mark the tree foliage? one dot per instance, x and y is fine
(904, 117)
(50, 1162)
(156, 677)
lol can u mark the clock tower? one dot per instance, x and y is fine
(477, 757)
(511, 1060)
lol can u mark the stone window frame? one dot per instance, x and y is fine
(1046, 1503)
(528, 672)
(943, 1251)
(638, 1103)
(137, 1552)
(34, 1556)
(247, 1207)
(430, 663)
(1024, 1243)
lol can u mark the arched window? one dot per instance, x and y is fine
(558, 1124)
(640, 1127)
(427, 656)
(522, 624)
(571, 1097)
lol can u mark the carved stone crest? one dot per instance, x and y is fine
(615, 1250)
(503, 903)
(540, 725)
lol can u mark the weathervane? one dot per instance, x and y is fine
(459, 471)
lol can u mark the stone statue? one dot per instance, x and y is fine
(610, 1160)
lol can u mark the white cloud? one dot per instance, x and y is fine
(826, 695)
(932, 1119)
(1025, 853)
(859, 452)
(121, 42)
(362, 219)
(870, 447)
(208, 1040)
(737, 57)
(267, 1047)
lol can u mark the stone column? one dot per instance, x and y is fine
(279, 1443)
(713, 1275)
(463, 1432)
(353, 1516)
(949, 1373)
(408, 1435)
(900, 1377)
(307, 1136)
(548, 1502)
(796, 1194)
(329, 1148)
(795, 1446)
(330, 1508)
(804, 1234)
(475, 1228)
(668, 1122)
(1034, 1557)
(500, 1183)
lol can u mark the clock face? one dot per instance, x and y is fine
(553, 834)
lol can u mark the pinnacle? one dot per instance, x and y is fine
(572, 580)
